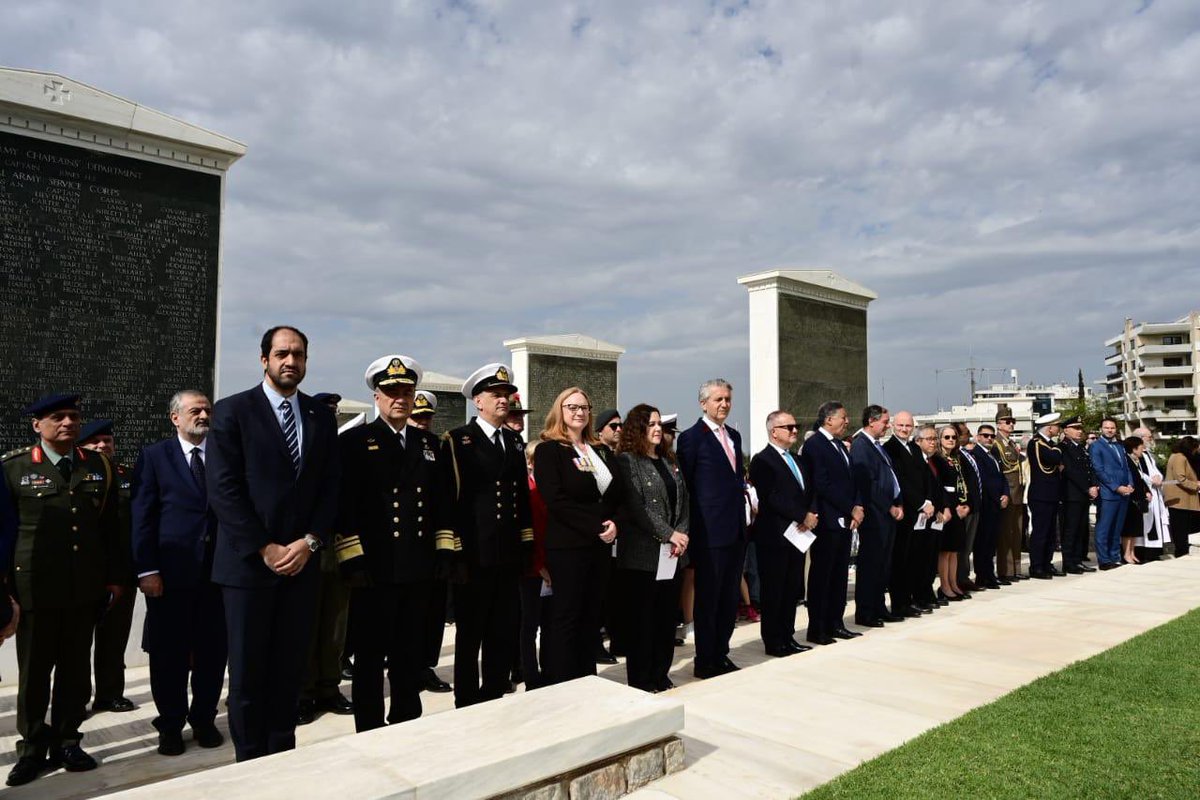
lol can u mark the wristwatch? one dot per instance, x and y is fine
(314, 544)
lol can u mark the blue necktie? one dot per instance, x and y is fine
(289, 433)
(791, 462)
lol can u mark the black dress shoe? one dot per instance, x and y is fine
(336, 703)
(704, 671)
(435, 684)
(911, 612)
(207, 735)
(845, 633)
(822, 640)
(796, 647)
(943, 600)
(347, 669)
(1087, 568)
(1004, 581)
(1055, 572)
(993, 584)
(664, 685)
(867, 623)
(25, 770)
(892, 617)
(1107, 567)
(780, 651)
(306, 712)
(1074, 570)
(170, 743)
(925, 608)
(727, 666)
(120, 705)
(604, 657)
(1041, 576)
(72, 758)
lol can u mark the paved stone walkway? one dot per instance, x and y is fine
(787, 724)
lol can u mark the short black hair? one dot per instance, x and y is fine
(827, 410)
(1112, 420)
(269, 337)
(872, 413)
(1132, 443)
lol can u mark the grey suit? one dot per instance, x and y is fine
(647, 607)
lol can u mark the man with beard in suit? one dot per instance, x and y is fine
(913, 549)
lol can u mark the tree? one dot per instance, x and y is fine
(1082, 393)
(1090, 410)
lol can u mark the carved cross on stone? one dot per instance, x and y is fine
(57, 91)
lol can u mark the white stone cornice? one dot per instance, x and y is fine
(822, 285)
(571, 345)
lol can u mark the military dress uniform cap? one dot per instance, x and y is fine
(606, 416)
(489, 376)
(97, 427)
(670, 420)
(424, 403)
(1048, 419)
(327, 397)
(393, 370)
(51, 403)
(515, 406)
(1073, 420)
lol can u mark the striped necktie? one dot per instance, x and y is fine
(289, 432)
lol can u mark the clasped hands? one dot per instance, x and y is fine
(679, 543)
(287, 560)
(856, 517)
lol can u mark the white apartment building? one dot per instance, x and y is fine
(1154, 375)
(1025, 402)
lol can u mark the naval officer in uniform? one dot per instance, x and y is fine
(492, 521)
(1045, 493)
(67, 569)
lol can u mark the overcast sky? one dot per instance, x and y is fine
(1012, 178)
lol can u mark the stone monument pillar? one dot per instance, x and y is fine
(808, 344)
(451, 405)
(110, 251)
(545, 365)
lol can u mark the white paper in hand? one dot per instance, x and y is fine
(667, 563)
(937, 525)
(801, 540)
(921, 522)
(547, 591)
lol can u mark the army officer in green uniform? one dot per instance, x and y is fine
(66, 569)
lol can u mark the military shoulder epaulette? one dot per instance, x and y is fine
(14, 453)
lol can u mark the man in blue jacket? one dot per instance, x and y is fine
(879, 490)
(1116, 484)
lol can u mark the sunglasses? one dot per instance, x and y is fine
(1009, 420)
(949, 438)
(789, 428)
(613, 426)
(984, 435)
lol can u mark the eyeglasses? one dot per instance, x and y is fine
(613, 426)
(573, 408)
(950, 438)
(789, 428)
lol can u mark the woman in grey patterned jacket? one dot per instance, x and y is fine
(647, 596)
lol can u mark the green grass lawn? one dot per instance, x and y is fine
(1125, 723)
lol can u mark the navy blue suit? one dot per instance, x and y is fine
(993, 488)
(834, 497)
(173, 534)
(259, 498)
(717, 537)
(878, 488)
(782, 500)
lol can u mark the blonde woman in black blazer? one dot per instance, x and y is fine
(583, 494)
(657, 516)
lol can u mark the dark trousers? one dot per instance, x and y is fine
(54, 640)
(391, 622)
(780, 588)
(485, 610)
(1043, 523)
(270, 630)
(533, 616)
(923, 555)
(718, 586)
(828, 572)
(1183, 524)
(579, 577)
(900, 573)
(435, 630)
(986, 537)
(185, 633)
(970, 531)
(112, 634)
(649, 626)
(324, 671)
(1074, 530)
(875, 545)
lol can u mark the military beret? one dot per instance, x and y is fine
(51, 403)
(489, 376)
(97, 427)
(393, 370)
(606, 416)
(327, 397)
(424, 403)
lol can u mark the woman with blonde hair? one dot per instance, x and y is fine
(584, 499)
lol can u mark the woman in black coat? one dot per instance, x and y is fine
(950, 468)
(657, 518)
(583, 493)
(1139, 500)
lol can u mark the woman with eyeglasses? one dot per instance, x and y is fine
(1139, 500)
(948, 462)
(657, 518)
(584, 499)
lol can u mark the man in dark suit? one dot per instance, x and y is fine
(879, 492)
(993, 489)
(839, 513)
(174, 533)
(783, 500)
(494, 537)
(971, 477)
(911, 551)
(273, 476)
(1080, 490)
(392, 520)
(710, 456)
(1045, 494)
